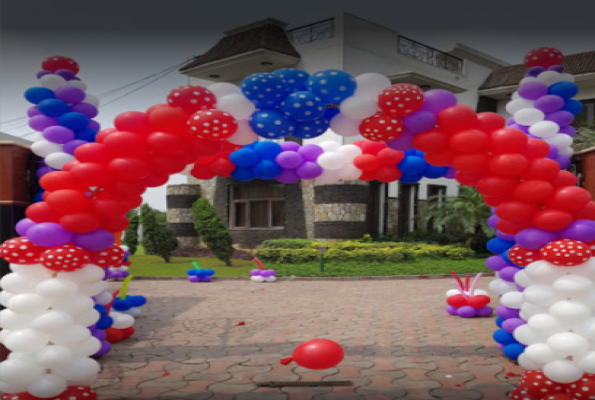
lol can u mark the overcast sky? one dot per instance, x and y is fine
(117, 42)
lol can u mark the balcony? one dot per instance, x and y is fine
(429, 55)
(312, 33)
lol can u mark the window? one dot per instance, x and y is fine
(257, 207)
(586, 118)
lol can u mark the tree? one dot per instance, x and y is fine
(212, 230)
(157, 239)
(584, 139)
(467, 209)
(131, 235)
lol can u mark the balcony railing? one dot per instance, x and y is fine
(429, 55)
(313, 32)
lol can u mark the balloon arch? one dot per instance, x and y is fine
(91, 179)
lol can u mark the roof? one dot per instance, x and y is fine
(575, 64)
(268, 34)
(4, 137)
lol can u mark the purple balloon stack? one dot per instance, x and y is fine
(298, 162)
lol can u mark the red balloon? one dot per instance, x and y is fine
(156, 180)
(127, 332)
(101, 135)
(366, 162)
(469, 179)
(543, 57)
(202, 172)
(21, 251)
(215, 125)
(517, 211)
(113, 335)
(564, 178)
(126, 188)
(566, 253)
(60, 180)
(441, 158)
(155, 107)
(569, 198)
(130, 169)
(222, 166)
(551, 219)
(41, 212)
(401, 99)
(522, 256)
(481, 300)
(125, 144)
(227, 147)
(533, 191)
(133, 201)
(80, 222)
(108, 258)
(92, 152)
(114, 225)
(390, 157)
(587, 212)
(536, 148)
(76, 393)
(68, 165)
(507, 141)
(203, 148)
(458, 300)
(508, 164)
(457, 118)
(498, 186)
(68, 201)
(469, 141)
(488, 122)
(109, 207)
(169, 119)
(471, 163)
(582, 387)
(511, 228)
(372, 148)
(541, 169)
(368, 176)
(191, 98)
(94, 175)
(387, 174)
(166, 143)
(167, 165)
(317, 354)
(56, 63)
(65, 258)
(434, 140)
(381, 127)
(133, 121)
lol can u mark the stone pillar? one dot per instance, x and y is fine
(180, 218)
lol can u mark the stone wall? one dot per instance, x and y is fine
(180, 217)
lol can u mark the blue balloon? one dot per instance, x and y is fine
(503, 337)
(137, 301)
(434, 172)
(271, 124)
(122, 305)
(101, 309)
(244, 157)
(268, 150)
(331, 112)
(294, 78)
(86, 134)
(514, 350)
(410, 178)
(36, 95)
(265, 90)
(499, 246)
(311, 129)
(192, 272)
(201, 273)
(53, 107)
(39, 197)
(500, 321)
(302, 106)
(243, 174)
(332, 86)
(419, 153)
(573, 106)
(210, 272)
(566, 90)
(73, 120)
(411, 152)
(104, 322)
(412, 165)
(266, 170)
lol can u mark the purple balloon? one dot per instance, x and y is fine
(451, 310)
(511, 324)
(193, 278)
(403, 142)
(289, 159)
(507, 313)
(88, 110)
(106, 347)
(100, 334)
(287, 176)
(43, 170)
(437, 100)
(49, 234)
(450, 174)
(290, 146)
(535, 238)
(66, 74)
(521, 128)
(116, 275)
(127, 253)
(485, 311)
(553, 152)
(310, 152)
(255, 272)
(549, 103)
(33, 111)
(70, 94)
(492, 221)
(42, 73)
(505, 236)
(94, 125)
(58, 134)
(558, 68)
(535, 71)
(501, 347)
(23, 226)
(508, 273)
(563, 161)
(71, 146)
(581, 229)
(205, 279)
(520, 288)
(533, 90)
(309, 170)
(510, 121)
(273, 272)
(467, 312)
(420, 121)
(96, 240)
(560, 117)
(568, 130)
(41, 122)
(496, 263)
(265, 274)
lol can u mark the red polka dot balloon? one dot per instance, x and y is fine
(20, 251)
(559, 396)
(212, 125)
(191, 98)
(78, 393)
(522, 256)
(537, 384)
(566, 253)
(381, 127)
(56, 63)
(110, 257)
(584, 388)
(543, 57)
(520, 393)
(65, 258)
(401, 99)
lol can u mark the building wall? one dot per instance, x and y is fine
(180, 216)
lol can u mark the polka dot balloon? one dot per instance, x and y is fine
(332, 86)
(265, 90)
(214, 125)
(303, 106)
(108, 258)
(55, 63)
(20, 251)
(566, 253)
(294, 78)
(271, 124)
(311, 129)
(381, 127)
(65, 258)
(191, 98)
(543, 57)
(401, 99)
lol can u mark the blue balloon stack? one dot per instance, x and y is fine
(256, 160)
(414, 168)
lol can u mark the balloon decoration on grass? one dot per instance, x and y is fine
(262, 275)
(197, 274)
(466, 300)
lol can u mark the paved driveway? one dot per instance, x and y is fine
(398, 339)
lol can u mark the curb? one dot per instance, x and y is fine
(313, 278)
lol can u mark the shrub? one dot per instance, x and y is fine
(213, 231)
(157, 239)
(287, 244)
(479, 244)
(131, 234)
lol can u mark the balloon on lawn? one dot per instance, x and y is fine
(261, 275)
(197, 274)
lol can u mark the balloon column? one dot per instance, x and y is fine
(262, 275)
(466, 301)
(198, 274)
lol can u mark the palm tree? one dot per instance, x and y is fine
(467, 209)
(584, 139)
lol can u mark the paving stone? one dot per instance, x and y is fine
(467, 394)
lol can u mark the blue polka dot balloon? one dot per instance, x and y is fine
(303, 106)
(265, 90)
(271, 124)
(294, 78)
(311, 129)
(332, 86)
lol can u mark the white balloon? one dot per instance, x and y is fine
(452, 292)
(349, 172)
(515, 96)
(17, 284)
(479, 292)
(92, 290)
(541, 295)
(270, 279)
(568, 344)
(522, 279)
(528, 79)
(87, 318)
(73, 335)
(526, 336)
(134, 312)
(544, 129)
(74, 305)
(528, 116)
(51, 321)
(566, 151)
(237, 105)
(564, 77)
(103, 298)
(77, 84)
(541, 353)
(587, 362)
(517, 105)
(573, 285)
(561, 140)
(44, 148)
(90, 99)
(13, 321)
(545, 324)
(329, 146)
(331, 161)
(528, 364)
(122, 321)
(47, 385)
(258, 279)
(57, 160)
(19, 371)
(359, 107)
(4, 334)
(349, 152)
(88, 348)
(26, 340)
(530, 310)
(52, 81)
(328, 177)
(500, 286)
(28, 303)
(543, 272)
(512, 300)
(571, 312)
(87, 275)
(35, 271)
(37, 136)
(56, 289)
(549, 77)
(123, 268)
(344, 126)
(562, 371)
(53, 356)
(4, 297)
(371, 84)
(222, 89)
(244, 135)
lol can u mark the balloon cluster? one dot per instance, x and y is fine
(198, 274)
(466, 301)
(262, 275)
